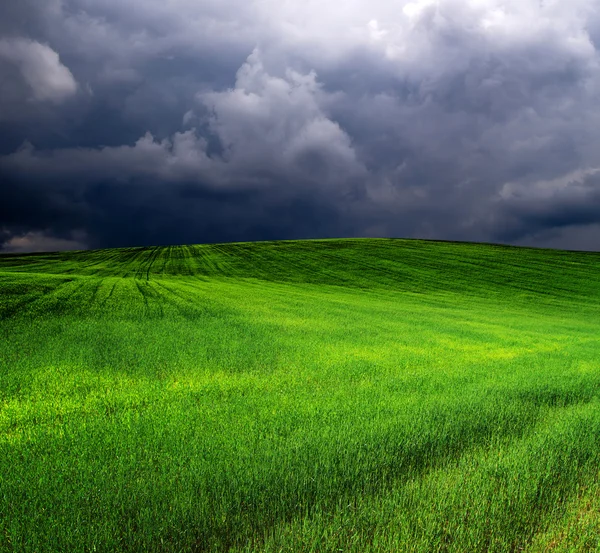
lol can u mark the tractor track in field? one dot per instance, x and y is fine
(109, 296)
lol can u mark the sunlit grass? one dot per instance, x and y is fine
(359, 395)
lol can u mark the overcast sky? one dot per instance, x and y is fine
(146, 122)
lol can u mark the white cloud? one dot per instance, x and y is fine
(40, 67)
(576, 183)
(181, 157)
(264, 123)
(275, 122)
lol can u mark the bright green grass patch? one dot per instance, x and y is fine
(351, 395)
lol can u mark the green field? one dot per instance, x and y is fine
(336, 395)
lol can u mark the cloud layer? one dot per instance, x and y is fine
(153, 122)
(40, 68)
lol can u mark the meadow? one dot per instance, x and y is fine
(364, 395)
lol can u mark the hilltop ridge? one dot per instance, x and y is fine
(417, 266)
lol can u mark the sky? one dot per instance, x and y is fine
(152, 122)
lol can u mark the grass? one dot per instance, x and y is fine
(335, 395)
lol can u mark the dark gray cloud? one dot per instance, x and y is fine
(148, 122)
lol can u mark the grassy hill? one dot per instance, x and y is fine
(334, 395)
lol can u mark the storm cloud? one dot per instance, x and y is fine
(150, 122)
